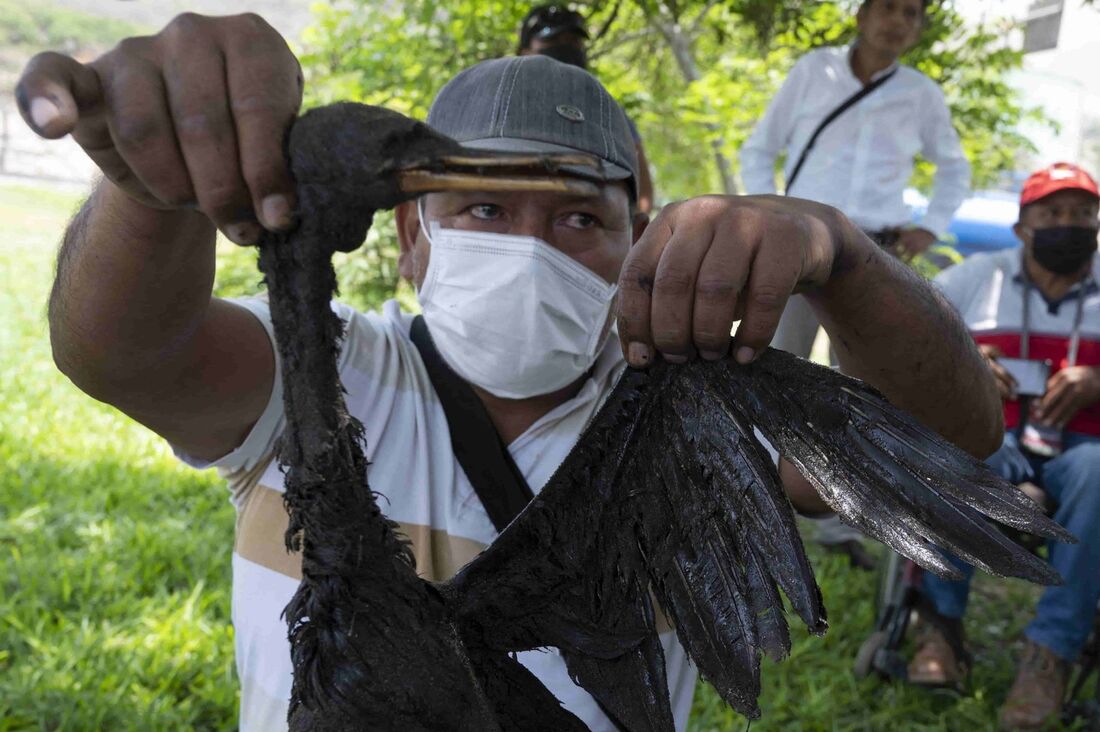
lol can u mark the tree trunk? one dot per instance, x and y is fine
(680, 44)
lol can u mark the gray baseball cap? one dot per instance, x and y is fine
(536, 104)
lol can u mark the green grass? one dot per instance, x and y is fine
(114, 563)
(114, 560)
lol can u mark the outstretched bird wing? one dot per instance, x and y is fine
(669, 489)
(885, 473)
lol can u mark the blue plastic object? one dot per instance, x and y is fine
(983, 222)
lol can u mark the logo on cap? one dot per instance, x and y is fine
(570, 112)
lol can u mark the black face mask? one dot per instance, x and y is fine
(1063, 249)
(567, 53)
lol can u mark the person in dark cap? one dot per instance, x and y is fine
(555, 31)
(560, 33)
(536, 301)
(1035, 313)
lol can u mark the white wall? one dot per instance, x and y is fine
(1064, 82)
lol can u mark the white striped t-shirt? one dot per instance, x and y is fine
(424, 489)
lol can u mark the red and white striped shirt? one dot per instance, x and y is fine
(988, 291)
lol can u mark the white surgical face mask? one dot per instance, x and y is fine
(512, 314)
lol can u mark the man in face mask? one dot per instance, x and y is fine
(1035, 313)
(538, 301)
(560, 33)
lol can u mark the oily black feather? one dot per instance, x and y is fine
(667, 492)
(884, 472)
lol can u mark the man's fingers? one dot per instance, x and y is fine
(722, 276)
(196, 114)
(636, 291)
(1058, 411)
(1006, 384)
(53, 92)
(1057, 404)
(1002, 374)
(774, 272)
(142, 155)
(990, 351)
(199, 103)
(674, 290)
(265, 92)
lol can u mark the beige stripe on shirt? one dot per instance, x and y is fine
(262, 521)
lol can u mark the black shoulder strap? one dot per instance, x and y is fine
(482, 454)
(840, 109)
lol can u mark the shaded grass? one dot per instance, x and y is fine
(114, 560)
(115, 575)
(815, 689)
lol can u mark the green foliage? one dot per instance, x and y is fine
(400, 53)
(938, 258)
(46, 25)
(814, 689)
(114, 560)
(366, 277)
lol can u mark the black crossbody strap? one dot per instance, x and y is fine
(841, 109)
(483, 456)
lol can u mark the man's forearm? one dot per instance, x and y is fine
(893, 330)
(132, 284)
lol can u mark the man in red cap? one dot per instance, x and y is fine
(1035, 313)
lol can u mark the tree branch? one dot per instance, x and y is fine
(680, 45)
(629, 38)
(610, 20)
(697, 24)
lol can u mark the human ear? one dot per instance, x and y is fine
(407, 219)
(1023, 233)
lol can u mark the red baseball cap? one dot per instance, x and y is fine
(1058, 177)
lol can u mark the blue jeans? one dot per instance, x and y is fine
(1064, 616)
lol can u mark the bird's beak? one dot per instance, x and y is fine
(495, 171)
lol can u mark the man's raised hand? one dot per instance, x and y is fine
(1068, 392)
(193, 117)
(706, 262)
(1006, 383)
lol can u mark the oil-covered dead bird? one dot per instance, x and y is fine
(667, 491)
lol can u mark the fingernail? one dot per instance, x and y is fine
(43, 112)
(711, 355)
(638, 354)
(245, 233)
(276, 211)
(675, 358)
(745, 354)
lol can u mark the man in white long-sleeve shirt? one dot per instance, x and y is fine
(862, 160)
